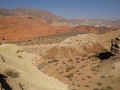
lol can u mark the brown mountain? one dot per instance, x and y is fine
(95, 22)
(58, 20)
(42, 14)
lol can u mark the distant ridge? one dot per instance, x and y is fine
(42, 14)
(58, 20)
(96, 22)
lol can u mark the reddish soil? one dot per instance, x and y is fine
(20, 29)
(25, 28)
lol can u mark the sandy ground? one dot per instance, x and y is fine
(80, 72)
(30, 76)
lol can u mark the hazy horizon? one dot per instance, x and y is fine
(70, 9)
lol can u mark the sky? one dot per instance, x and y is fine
(102, 9)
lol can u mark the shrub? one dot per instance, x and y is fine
(106, 88)
(55, 60)
(67, 70)
(82, 59)
(109, 87)
(89, 57)
(77, 58)
(84, 55)
(111, 76)
(89, 77)
(60, 72)
(79, 73)
(70, 60)
(20, 56)
(77, 61)
(103, 77)
(78, 85)
(11, 72)
(70, 75)
(87, 86)
(83, 78)
(96, 89)
(113, 67)
(99, 84)
(95, 73)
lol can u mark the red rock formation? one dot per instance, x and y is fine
(27, 28)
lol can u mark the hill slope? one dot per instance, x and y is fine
(29, 75)
(82, 44)
(25, 28)
(77, 61)
(42, 14)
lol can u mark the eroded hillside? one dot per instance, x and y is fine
(32, 30)
(18, 70)
(83, 62)
(82, 44)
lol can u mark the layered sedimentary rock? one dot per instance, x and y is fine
(115, 45)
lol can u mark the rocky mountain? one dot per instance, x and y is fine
(58, 20)
(118, 21)
(95, 22)
(42, 14)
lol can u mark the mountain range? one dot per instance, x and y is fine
(58, 20)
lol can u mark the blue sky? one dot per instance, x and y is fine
(70, 8)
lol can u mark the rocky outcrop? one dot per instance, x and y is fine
(115, 45)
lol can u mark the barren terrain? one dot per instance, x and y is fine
(21, 73)
(46, 57)
(27, 29)
(84, 70)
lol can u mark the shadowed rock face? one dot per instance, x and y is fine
(115, 45)
(3, 83)
(115, 49)
(104, 55)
